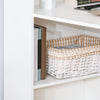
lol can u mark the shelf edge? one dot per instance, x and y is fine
(67, 21)
(66, 81)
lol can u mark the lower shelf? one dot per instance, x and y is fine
(50, 81)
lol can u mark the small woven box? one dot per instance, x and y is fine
(73, 56)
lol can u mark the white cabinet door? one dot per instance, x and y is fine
(92, 89)
(18, 49)
(71, 91)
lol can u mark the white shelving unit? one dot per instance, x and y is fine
(19, 17)
(67, 15)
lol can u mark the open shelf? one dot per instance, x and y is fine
(50, 81)
(69, 15)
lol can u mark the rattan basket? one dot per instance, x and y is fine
(83, 59)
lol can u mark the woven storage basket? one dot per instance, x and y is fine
(81, 59)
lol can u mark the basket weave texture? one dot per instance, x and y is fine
(62, 63)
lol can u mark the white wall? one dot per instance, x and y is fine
(37, 2)
(1, 50)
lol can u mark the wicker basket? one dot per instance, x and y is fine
(73, 56)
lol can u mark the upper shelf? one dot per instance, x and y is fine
(69, 15)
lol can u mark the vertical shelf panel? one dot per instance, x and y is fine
(18, 32)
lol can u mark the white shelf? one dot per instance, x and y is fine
(50, 81)
(69, 15)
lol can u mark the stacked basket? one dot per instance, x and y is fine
(73, 56)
